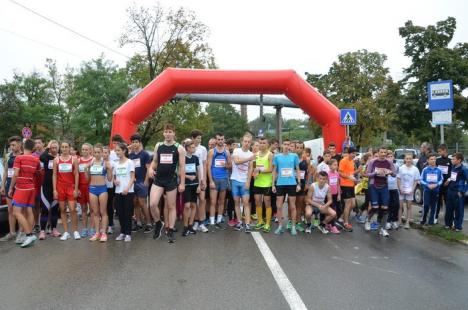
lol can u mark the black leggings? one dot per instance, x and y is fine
(48, 204)
(365, 205)
(110, 205)
(124, 206)
(393, 205)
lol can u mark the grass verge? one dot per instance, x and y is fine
(447, 234)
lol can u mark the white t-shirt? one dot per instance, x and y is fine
(113, 157)
(122, 174)
(323, 167)
(202, 154)
(239, 172)
(408, 176)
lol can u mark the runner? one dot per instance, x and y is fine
(99, 171)
(263, 179)
(193, 173)
(304, 168)
(202, 154)
(242, 166)
(333, 154)
(407, 178)
(445, 165)
(348, 173)
(286, 181)
(394, 198)
(431, 180)
(124, 178)
(65, 185)
(49, 206)
(219, 162)
(15, 144)
(83, 197)
(335, 190)
(323, 166)
(110, 191)
(142, 161)
(316, 196)
(211, 143)
(38, 151)
(26, 167)
(457, 188)
(377, 171)
(168, 155)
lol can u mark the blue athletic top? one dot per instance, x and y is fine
(285, 166)
(218, 165)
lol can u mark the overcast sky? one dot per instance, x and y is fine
(254, 34)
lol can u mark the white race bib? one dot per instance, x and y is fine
(407, 189)
(286, 172)
(380, 171)
(96, 169)
(432, 177)
(302, 175)
(82, 167)
(166, 158)
(11, 172)
(220, 163)
(453, 176)
(50, 165)
(137, 162)
(121, 171)
(190, 168)
(333, 180)
(65, 167)
(42, 165)
(444, 169)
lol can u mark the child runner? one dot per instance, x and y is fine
(83, 196)
(304, 168)
(444, 163)
(110, 191)
(364, 208)
(335, 190)
(394, 197)
(193, 175)
(124, 178)
(65, 185)
(319, 192)
(348, 173)
(26, 167)
(431, 180)
(262, 184)
(456, 193)
(98, 172)
(407, 178)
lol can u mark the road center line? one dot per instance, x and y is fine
(288, 290)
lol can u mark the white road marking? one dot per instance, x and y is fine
(288, 290)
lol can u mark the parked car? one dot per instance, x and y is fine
(400, 155)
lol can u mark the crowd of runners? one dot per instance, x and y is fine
(243, 186)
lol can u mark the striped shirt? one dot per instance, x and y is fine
(28, 166)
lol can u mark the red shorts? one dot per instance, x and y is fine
(65, 192)
(24, 198)
(83, 198)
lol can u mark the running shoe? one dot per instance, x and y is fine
(92, 232)
(48, 229)
(374, 226)
(120, 237)
(384, 232)
(195, 226)
(55, 233)
(65, 236)
(20, 237)
(203, 228)
(247, 229)
(219, 226)
(322, 229)
(42, 235)
(259, 226)
(170, 236)
(254, 217)
(334, 230)
(266, 228)
(95, 237)
(316, 222)
(293, 230)
(148, 229)
(128, 238)
(339, 225)
(238, 226)
(137, 228)
(158, 227)
(76, 235)
(395, 225)
(8, 237)
(407, 225)
(361, 219)
(436, 220)
(388, 226)
(232, 223)
(279, 230)
(84, 233)
(299, 227)
(29, 241)
(367, 226)
(308, 229)
(110, 230)
(274, 219)
(185, 232)
(347, 227)
(103, 238)
(36, 229)
(192, 230)
(288, 227)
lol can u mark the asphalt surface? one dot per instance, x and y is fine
(357, 270)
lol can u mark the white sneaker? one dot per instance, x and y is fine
(195, 226)
(110, 230)
(29, 241)
(388, 226)
(384, 232)
(395, 225)
(8, 237)
(65, 236)
(76, 235)
(435, 221)
(367, 226)
(120, 237)
(407, 225)
(128, 238)
(203, 228)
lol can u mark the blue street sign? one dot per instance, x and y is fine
(348, 116)
(260, 132)
(440, 95)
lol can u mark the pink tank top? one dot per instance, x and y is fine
(334, 182)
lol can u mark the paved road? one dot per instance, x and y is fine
(226, 270)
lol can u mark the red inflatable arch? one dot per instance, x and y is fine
(126, 118)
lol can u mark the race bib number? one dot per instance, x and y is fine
(286, 172)
(65, 167)
(380, 171)
(137, 162)
(302, 175)
(166, 159)
(96, 170)
(407, 189)
(50, 165)
(220, 163)
(121, 171)
(333, 181)
(432, 177)
(444, 169)
(453, 176)
(82, 167)
(190, 168)
(11, 171)
(42, 165)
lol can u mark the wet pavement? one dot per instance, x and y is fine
(357, 270)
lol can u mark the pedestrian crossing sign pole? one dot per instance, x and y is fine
(348, 117)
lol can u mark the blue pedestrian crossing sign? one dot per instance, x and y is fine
(348, 116)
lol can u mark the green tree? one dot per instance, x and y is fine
(10, 113)
(227, 120)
